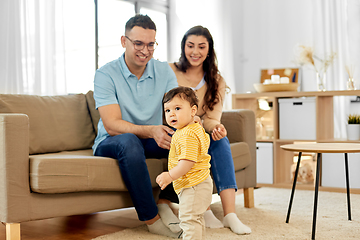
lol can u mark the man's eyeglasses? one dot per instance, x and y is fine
(138, 45)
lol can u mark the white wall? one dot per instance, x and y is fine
(185, 14)
(272, 29)
(249, 35)
(354, 37)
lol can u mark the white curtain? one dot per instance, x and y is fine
(32, 47)
(331, 34)
(353, 18)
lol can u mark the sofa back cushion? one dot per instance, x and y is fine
(57, 123)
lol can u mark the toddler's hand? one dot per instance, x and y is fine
(163, 180)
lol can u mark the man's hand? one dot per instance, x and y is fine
(160, 134)
(218, 132)
(163, 180)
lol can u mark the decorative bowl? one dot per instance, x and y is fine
(275, 87)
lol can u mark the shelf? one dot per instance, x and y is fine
(265, 140)
(297, 94)
(283, 160)
(286, 141)
(338, 141)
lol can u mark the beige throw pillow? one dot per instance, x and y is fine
(57, 123)
(94, 113)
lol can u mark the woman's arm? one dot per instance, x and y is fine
(211, 118)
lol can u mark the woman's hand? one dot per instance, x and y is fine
(197, 119)
(218, 132)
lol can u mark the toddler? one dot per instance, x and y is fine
(188, 165)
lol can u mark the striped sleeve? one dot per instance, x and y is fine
(188, 147)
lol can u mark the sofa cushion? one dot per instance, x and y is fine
(94, 113)
(79, 171)
(241, 155)
(57, 123)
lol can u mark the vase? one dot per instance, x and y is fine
(353, 132)
(321, 81)
(259, 128)
(351, 84)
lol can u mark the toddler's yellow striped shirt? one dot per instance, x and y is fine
(191, 143)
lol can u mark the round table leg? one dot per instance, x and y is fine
(293, 188)
(347, 186)
(318, 161)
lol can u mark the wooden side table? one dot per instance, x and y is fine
(320, 148)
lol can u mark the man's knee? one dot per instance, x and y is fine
(128, 140)
(129, 146)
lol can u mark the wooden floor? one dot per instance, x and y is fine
(80, 227)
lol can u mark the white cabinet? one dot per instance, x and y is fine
(264, 163)
(297, 118)
(333, 170)
(354, 107)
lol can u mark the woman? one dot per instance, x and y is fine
(197, 68)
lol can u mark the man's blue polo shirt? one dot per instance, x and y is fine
(140, 100)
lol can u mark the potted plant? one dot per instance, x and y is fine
(353, 127)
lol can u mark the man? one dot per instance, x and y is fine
(128, 93)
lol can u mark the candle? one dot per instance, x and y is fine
(275, 78)
(267, 81)
(284, 80)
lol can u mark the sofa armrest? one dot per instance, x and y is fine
(240, 126)
(14, 167)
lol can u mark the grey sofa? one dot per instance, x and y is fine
(47, 168)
